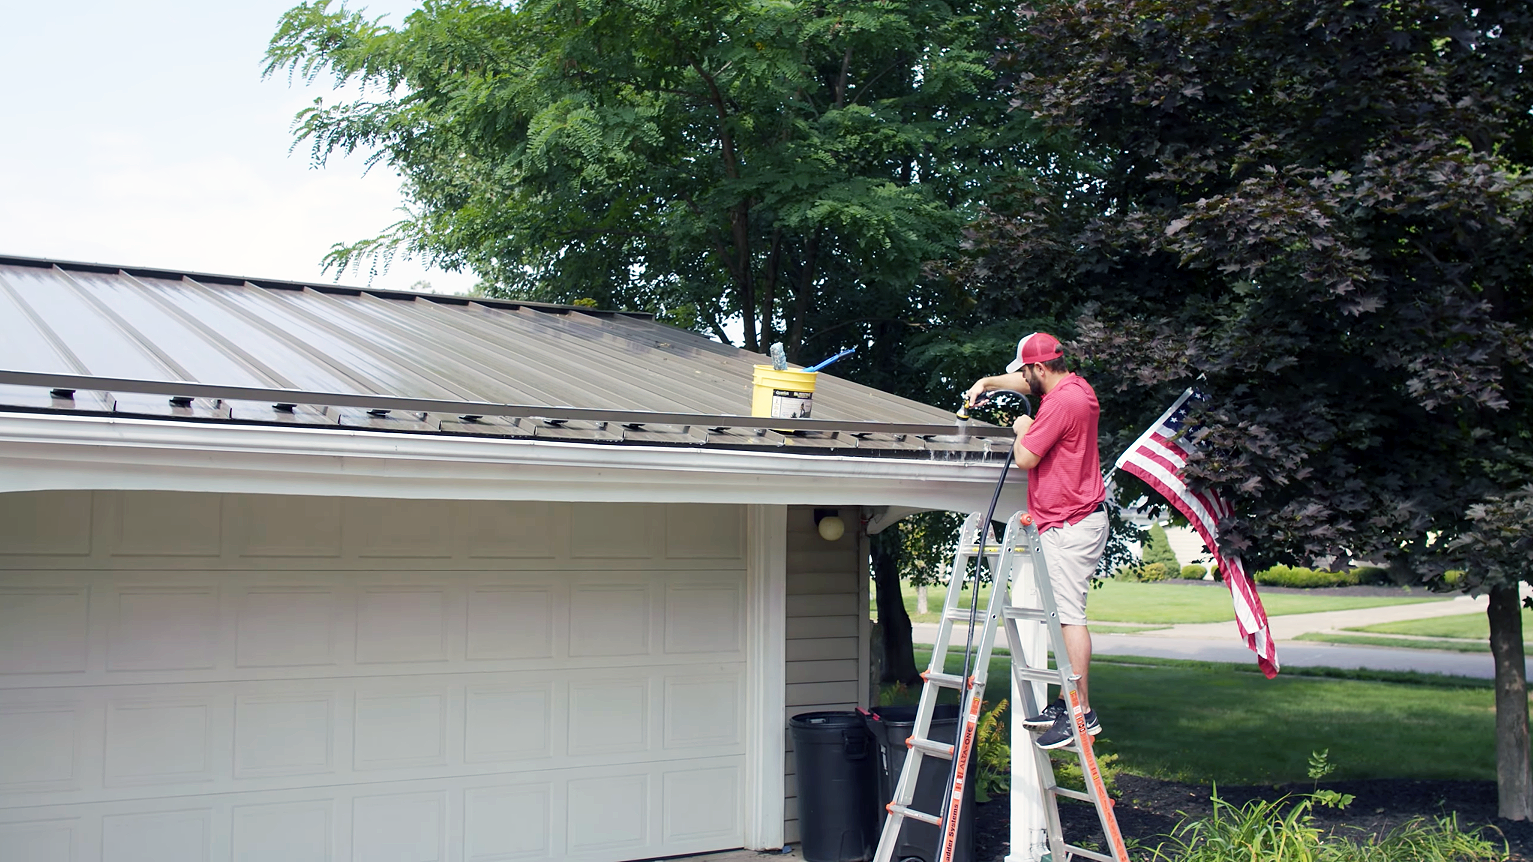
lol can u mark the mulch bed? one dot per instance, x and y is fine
(1148, 809)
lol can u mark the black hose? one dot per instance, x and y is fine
(968, 649)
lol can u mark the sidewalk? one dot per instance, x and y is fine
(1221, 642)
(1290, 626)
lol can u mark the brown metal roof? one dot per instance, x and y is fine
(228, 349)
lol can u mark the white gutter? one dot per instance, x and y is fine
(67, 452)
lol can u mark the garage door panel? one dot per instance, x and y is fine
(399, 827)
(509, 822)
(162, 628)
(510, 623)
(289, 734)
(287, 626)
(704, 618)
(283, 831)
(44, 745)
(701, 804)
(703, 710)
(401, 729)
(43, 841)
(609, 620)
(403, 625)
(609, 814)
(510, 722)
(44, 629)
(163, 740)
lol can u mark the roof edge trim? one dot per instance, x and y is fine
(339, 289)
(177, 389)
(105, 453)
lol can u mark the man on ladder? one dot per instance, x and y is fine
(1065, 497)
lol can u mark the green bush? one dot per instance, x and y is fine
(1298, 576)
(1141, 573)
(1194, 572)
(1371, 575)
(1158, 550)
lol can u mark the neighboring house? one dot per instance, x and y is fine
(1187, 545)
(294, 573)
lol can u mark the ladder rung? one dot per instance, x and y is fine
(961, 615)
(946, 680)
(1089, 854)
(1035, 614)
(927, 746)
(971, 550)
(1074, 794)
(1033, 674)
(906, 811)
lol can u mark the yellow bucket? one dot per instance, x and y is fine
(782, 394)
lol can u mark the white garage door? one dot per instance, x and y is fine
(189, 677)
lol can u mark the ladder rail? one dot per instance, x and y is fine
(970, 537)
(1021, 547)
(1090, 770)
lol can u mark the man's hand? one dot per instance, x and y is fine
(1021, 425)
(972, 397)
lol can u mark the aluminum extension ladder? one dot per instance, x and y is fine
(1020, 550)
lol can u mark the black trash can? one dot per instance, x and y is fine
(837, 786)
(891, 726)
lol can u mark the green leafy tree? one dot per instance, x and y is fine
(785, 163)
(1318, 212)
(790, 164)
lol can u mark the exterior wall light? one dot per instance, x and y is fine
(829, 523)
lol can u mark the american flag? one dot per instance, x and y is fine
(1158, 457)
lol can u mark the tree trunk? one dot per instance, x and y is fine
(921, 600)
(1514, 781)
(899, 649)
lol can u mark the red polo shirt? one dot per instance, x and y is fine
(1066, 486)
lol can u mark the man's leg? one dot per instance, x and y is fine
(1078, 646)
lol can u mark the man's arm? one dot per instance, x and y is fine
(1022, 456)
(1016, 381)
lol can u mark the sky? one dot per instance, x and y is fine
(142, 134)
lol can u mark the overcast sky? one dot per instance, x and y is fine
(142, 134)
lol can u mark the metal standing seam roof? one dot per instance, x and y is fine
(90, 338)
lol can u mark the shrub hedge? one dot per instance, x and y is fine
(1298, 576)
(1142, 573)
(1194, 572)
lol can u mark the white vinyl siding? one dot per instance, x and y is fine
(827, 627)
(261, 678)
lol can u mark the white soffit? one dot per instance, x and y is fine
(52, 452)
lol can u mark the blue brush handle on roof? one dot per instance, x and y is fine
(847, 352)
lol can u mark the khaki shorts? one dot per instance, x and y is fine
(1071, 552)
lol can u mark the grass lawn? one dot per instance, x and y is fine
(1458, 633)
(1474, 626)
(1396, 642)
(1169, 604)
(1202, 722)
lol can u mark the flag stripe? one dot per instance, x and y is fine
(1158, 457)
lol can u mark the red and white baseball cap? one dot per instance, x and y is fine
(1037, 347)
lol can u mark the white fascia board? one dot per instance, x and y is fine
(41, 451)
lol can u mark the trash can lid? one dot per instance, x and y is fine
(826, 719)
(906, 715)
